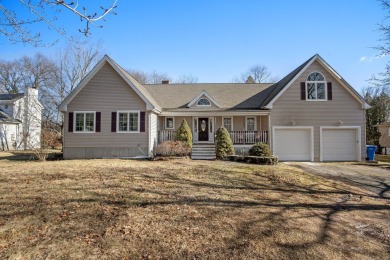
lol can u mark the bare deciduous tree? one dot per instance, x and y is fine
(256, 74)
(10, 77)
(72, 64)
(33, 72)
(155, 77)
(186, 79)
(143, 77)
(140, 76)
(382, 79)
(16, 27)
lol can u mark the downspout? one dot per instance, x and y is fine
(269, 133)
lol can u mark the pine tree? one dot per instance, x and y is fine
(184, 134)
(224, 145)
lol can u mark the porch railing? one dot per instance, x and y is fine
(249, 137)
(238, 137)
(166, 135)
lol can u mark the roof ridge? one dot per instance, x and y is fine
(209, 83)
(278, 86)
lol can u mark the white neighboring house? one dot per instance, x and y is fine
(20, 120)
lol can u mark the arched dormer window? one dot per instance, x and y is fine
(315, 86)
(203, 102)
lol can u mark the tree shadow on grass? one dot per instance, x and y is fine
(228, 193)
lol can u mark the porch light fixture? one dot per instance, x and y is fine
(340, 123)
(292, 123)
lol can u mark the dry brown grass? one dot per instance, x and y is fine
(183, 209)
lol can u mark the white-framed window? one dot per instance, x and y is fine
(84, 121)
(128, 121)
(203, 102)
(195, 124)
(169, 123)
(250, 123)
(228, 123)
(316, 87)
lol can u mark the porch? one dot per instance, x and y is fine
(238, 137)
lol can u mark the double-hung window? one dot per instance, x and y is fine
(250, 124)
(228, 124)
(169, 123)
(84, 122)
(128, 121)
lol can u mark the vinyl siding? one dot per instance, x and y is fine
(153, 132)
(179, 120)
(344, 107)
(263, 126)
(384, 139)
(106, 92)
(239, 123)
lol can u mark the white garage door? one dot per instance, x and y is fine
(293, 144)
(339, 144)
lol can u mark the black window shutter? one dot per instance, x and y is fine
(330, 91)
(70, 122)
(98, 121)
(113, 122)
(142, 122)
(303, 91)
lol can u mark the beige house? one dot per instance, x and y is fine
(312, 114)
(384, 139)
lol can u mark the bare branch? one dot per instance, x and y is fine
(16, 28)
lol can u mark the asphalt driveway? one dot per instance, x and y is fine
(372, 177)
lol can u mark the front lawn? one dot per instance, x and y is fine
(183, 209)
(382, 158)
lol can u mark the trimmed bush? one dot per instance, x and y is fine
(260, 149)
(184, 134)
(173, 148)
(224, 144)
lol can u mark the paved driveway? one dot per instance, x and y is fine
(372, 177)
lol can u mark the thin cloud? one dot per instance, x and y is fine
(372, 58)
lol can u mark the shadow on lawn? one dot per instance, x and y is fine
(28, 156)
(273, 214)
(348, 202)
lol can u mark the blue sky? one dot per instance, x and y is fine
(217, 40)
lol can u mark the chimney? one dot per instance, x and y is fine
(31, 92)
(165, 82)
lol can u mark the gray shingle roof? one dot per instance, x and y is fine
(10, 96)
(231, 96)
(228, 95)
(277, 87)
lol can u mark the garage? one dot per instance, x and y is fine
(293, 143)
(340, 144)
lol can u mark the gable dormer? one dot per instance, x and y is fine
(203, 100)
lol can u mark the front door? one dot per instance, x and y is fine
(203, 129)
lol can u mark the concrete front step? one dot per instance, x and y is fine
(203, 152)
